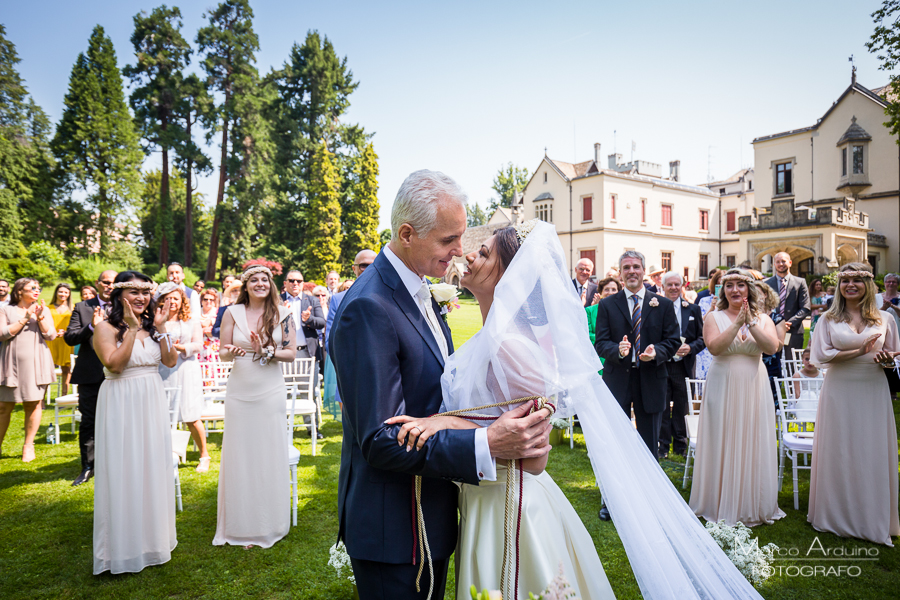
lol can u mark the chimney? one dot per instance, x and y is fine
(674, 168)
(597, 154)
(614, 160)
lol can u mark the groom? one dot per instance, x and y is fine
(389, 346)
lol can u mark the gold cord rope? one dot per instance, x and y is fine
(507, 575)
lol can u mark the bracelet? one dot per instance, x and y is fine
(753, 323)
(270, 352)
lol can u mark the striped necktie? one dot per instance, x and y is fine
(782, 295)
(636, 323)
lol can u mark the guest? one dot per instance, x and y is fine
(853, 484)
(88, 292)
(61, 311)
(26, 365)
(228, 297)
(889, 301)
(88, 372)
(655, 284)
(185, 377)
(829, 293)
(584, 287)
(710, 288)
(209, 305)
(672, 429)
(257, 333)
(199, 285)
(706, 304)
(4, 292)
(607, 287)
(134, 505)
(332, 281)
(637, 333)
(228, 281)
(175, 274)
(805, 392)
(613, 272)
(768, 303)
(793, 297)
(307, 313)
(687, 293)
(321, 294)
(736, 470)
(816, 301)
(345, 286)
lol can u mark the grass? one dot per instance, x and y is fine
(45, 540)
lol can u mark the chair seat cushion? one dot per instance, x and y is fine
(67, 401)
(293, 455)
(794, 442)
(213, 410)
(301, 407)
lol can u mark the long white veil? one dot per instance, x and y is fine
(535, 341)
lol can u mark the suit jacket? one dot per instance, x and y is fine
(701, 295)
(217, 326)
(691, 331)
(659, 328)
(388, 363)
(333, 305)
(796, 305)
(311, 326)
(88, 368)
(591, 290)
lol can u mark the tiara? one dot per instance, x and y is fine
(524, 228)
(253, 271)
(736, 276)
(842, 274)
(133, 285)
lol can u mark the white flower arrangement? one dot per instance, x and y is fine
(445, 295)
(340, 560)
(753, 562)
(559, 423)
(558, 589)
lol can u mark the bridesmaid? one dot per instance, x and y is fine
(736, 472)
(134, 487)
(257, 333)
(853, 486)
(61, 311)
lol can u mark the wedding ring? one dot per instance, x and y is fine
(417, 427)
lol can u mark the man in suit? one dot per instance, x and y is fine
(175, 274)
(679, 367)
(582, 282)
(308, 319)
(389, 345)
(793, 298)
(637, 334)
(88, 371)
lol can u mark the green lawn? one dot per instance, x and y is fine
(45, 540)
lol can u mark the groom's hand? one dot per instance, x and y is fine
(516, 434)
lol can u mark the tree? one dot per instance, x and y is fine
(161, 54)
(96, 143)
(228, 44)
(148, 217)
(475, 216)
(509, 180)
(385, 236)
(360, 214)
(323, 248)
(886, 42)
(314, 87)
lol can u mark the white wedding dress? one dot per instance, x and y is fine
(535, 342)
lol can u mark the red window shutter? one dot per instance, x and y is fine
(729, 221)
(587, 209)
(612, 204)
(590, 255)
(666, 215)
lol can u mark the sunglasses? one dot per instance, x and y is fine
(294, 280)
(362, 266)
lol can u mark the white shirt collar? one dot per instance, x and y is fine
(291, 298)
(639, 294)
(411, 281)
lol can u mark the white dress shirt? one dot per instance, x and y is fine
(296, 303)
(484, 462)
(628, 296)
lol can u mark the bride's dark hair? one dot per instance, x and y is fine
(506, 244)
(116, 316)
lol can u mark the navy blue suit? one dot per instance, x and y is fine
(388, 363)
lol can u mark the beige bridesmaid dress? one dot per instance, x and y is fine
(853, 486)
(736, 469)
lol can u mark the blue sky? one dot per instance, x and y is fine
(466, 87)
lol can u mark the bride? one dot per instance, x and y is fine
(534, 343)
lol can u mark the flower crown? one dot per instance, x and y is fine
(736, 276)
(253, 271)
(842, 274)
(133, 285)
(523, 229)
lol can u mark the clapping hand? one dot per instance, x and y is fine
(624, 347)
(35, 310)
(304, 316)
(99, 317)
(255, 343)
(885, 359)
(234, 350)
(648, 354)
(869, 344)
(744, 316)
(160, 318)
(128, 315)
(596, 299)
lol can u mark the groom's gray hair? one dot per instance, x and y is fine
(632, 254)
(418, 199)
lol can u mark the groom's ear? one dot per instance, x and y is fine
(405, 234)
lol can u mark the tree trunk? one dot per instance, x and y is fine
(164, 206)
(188, 203)
(220, 198)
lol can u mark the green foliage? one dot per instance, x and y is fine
(360, 213)
(125, 254)
(323, 247)
(475, 216)
(10, 226)
(96, 142)
(509, 181)
(86, 271)
(161, 276)
(385, 236)
(885, 42)
(48, 255)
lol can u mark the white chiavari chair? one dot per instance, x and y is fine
(298, 374)
(691, 424)
(798, 417)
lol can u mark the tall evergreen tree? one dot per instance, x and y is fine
(15, 171)
(228, 44)
(161, 54)
(360, 213)
(147, 213)
(96, 143)
(885, 41)
(323, 246)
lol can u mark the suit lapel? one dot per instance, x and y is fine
(685, 318)
(622, 302)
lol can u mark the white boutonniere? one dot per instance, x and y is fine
(654, 302)
(684, 303)
(445, 295)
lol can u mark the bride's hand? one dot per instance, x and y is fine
(416, 431)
